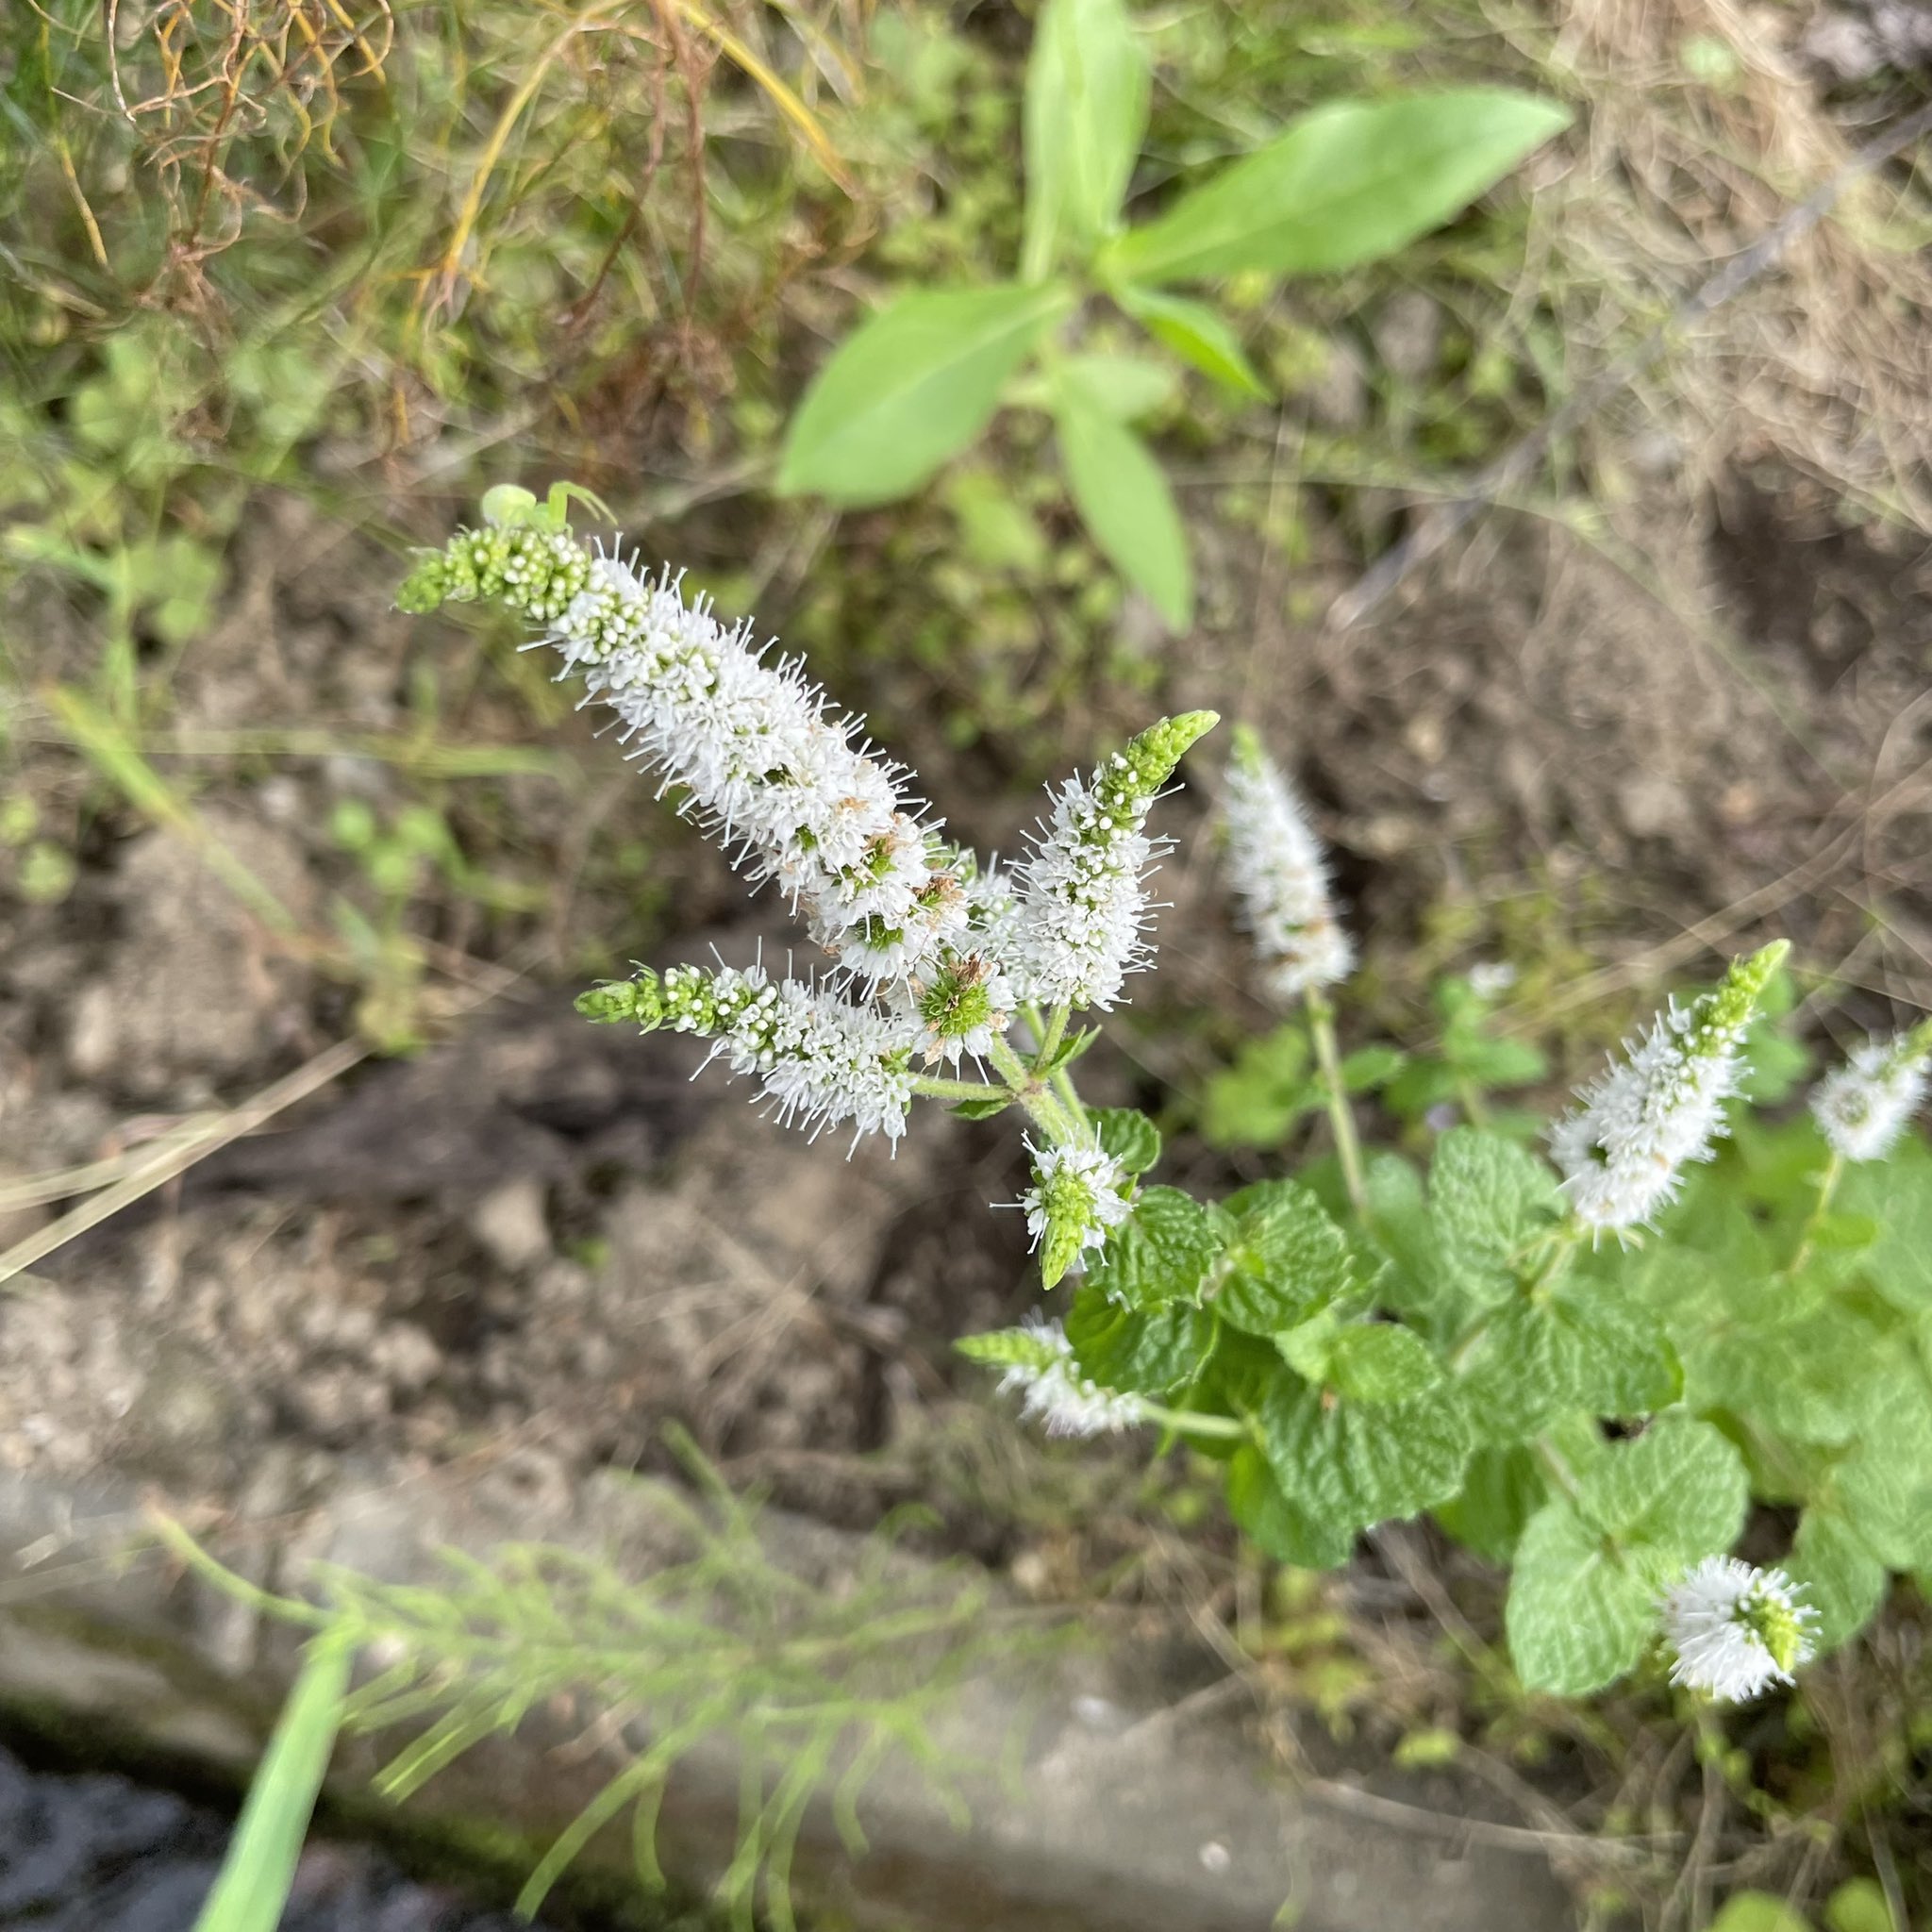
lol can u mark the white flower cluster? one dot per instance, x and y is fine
(934, 952)
(1736, 1630)
(1054, 1392)
(1863, 1108)
(1280, 876)
(1623, 1151)
(1076, 1196)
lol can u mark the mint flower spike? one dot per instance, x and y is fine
(820, 1061)
(1054, 1392)
(1865, 1104)
(1075, 1198)
(1622, 1152)
(1279, 874)
(787, 787)
(1736, 1630)
(1082, 904)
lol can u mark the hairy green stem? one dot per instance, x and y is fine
(955, 1090)
(1340, 1116)
(1827, 1187)
(1032, 1092)
(1229, 1429)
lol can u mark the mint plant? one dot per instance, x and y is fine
(1587, 1362)
(1353, 181)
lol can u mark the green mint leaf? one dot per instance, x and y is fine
(1501, 1490)
(1581, 1615)
(1162, 1252)
(1842, 1579)
(1258, 1100)
(1138, 1351)
(1349, 182)
(1896, 1192)
(909, 388)
(1288, 1533)
(1285, 1261)
(1378, 1362)
(1489, 1202)
(1131, 1138)
(1678, 1489)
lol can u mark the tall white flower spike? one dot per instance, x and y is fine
(1279, 874)
(1623, 1151)
(1863, 1108)
(1736, 1630)
(1077, 930)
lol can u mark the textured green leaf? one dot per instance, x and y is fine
(1197, 334)
(1680, 1487)
(1139, 1352)
(1578, 1348)
(1131, 1138)
(1489, 1201)
(1255, 1102)
(1287, 1533)
(1162, 1252)
(1376, 1361)
(1084, 114)
(1348, 1464)
(1580, 1613)
(1842, 1580)
(1287, 1260)
(1124, 502)
(1501, 1490)
(909, 388)
(1348, 182)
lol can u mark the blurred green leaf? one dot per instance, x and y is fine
(1123, 500)
(1348, 182)
(1197, 334)
(1086, 109)
(1127, 387)
(909, 388)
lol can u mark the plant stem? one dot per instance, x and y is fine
(1340, 1116)
(1031, 1093)
(955, 1090)
(1827, 1187)
(1230, 1428)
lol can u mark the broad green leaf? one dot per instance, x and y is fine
(1580, 1613)
(1084, 114)
(909, 388)
(1124, 502)
(1369, 1067)
(1348, 1464)
(1349, 182)
(1197, 334)
(1842, 1580)
(1896, 1192)
(1161, 1252)
(1285, 1261)
(1859, 1906)
(1679, 1489)
(1376, 1361)
(1287, 1533)
(253, 1885)
(1131, 1138)
(1123, 387)
(1139, 1352)
(1501, 1490)
(1579, 1347)
(1489, 1202)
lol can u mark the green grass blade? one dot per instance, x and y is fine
(255, 1877)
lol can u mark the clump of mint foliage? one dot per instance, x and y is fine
(1353, 181)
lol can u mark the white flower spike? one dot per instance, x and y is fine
(1736, 1630)
(1622, 1152)
(1054, 1392)
(1280, 876)
(1075, 1199)
(1076, 931)
(1864, 1106)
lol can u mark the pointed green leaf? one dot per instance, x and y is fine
(1490, 1202)
(1679, 1489)
(1084, 114)
(1124, 502)
(1287, 1533)
(1125, 387)
(1580, 1613)
(1378, 1361)
(1896, 1192)
(1197, 334)
(1841, 1579)
(912, 387)
(1349, 182)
